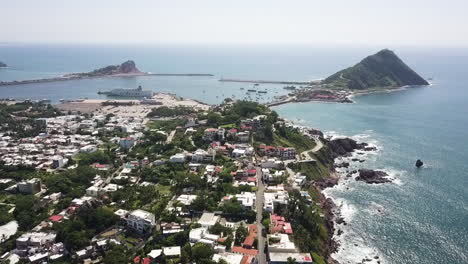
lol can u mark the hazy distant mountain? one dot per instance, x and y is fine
(381, 70)
(2, 65)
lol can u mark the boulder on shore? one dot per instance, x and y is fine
(419, 163)
(372, 176)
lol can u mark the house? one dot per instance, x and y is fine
(141, 221)
(58, 162)
(279, 225)
(243, 136)
(155, 253)
(171, 228)
(247, 199)
(282, 258)
(230, 258)
(210, 134)
(127, 143)
(280, 243)
(232, 133)
(208, 220)
(201, 155)
(250, 239)
(88, 149)
(271, 163)
(93, 191)
(31, 186)
(178, 158)
(186, 199)
(171, 252)
(286, 153)
(221, 133)
(274, 199)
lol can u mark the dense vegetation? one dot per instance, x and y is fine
(20, 119)
(165, 111)
(381, 70)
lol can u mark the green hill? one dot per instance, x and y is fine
(381, 70)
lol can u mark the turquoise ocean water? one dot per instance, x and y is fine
(422, 217)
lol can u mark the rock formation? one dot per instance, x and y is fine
(419, 163)
(344, 146)
(372, 176)
(3, 65)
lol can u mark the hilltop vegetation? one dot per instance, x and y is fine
(124, 68)
(381, 70)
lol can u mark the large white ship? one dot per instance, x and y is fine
(138, 92)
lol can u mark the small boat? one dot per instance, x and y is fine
(251, 90)
(256, 84)
(242, 88)
(291, 87)
(262, 92)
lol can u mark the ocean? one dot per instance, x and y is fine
(422, 217)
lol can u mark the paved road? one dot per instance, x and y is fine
(259, 207)
(317, 147)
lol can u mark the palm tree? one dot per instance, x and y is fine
(291, 260)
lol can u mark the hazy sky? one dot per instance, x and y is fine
(373, 22)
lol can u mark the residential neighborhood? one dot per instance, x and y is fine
(225, 185)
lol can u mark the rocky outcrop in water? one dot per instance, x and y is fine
(372, 176)
(3, 65)
(419, 163)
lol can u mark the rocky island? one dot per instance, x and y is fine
(383, 71)
(3, 65)
(126, 69)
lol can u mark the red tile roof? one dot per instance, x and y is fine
(244, 251)
(137, 259)
(146, 261)
(55, 218)
(247, 259)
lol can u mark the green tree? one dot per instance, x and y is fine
(201, 252)
(241, 234)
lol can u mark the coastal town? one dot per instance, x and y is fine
(229, 183)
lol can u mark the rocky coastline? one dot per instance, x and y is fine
(343, 147)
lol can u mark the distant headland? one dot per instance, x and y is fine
(3, 65)
(381, 72)
(126, 69)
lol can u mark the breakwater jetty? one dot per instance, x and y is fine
(77, 77)
(270, 82)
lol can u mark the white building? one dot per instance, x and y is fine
(31, 186)
(186, 199)
(141, 221)
(280, 243)
(178, 158)
(208, 220)
(247, 199)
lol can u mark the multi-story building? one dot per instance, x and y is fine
(141, 221)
